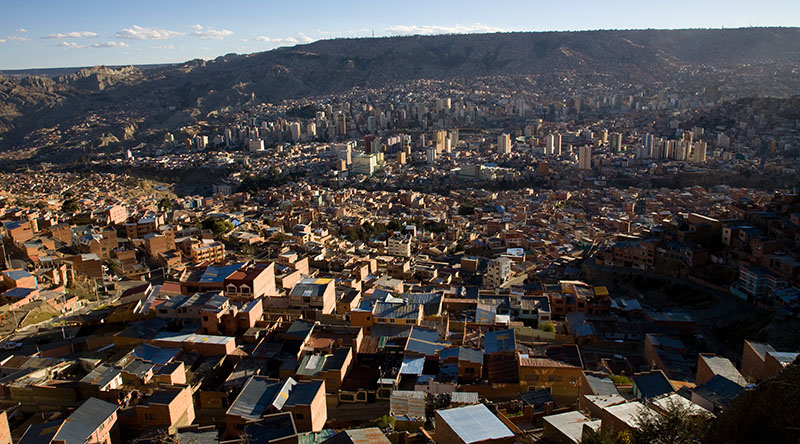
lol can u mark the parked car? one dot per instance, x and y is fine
(12, 345)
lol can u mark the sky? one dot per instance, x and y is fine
(70, 33)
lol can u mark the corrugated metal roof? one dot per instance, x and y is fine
(475, 423)
(393, 310)
(80, 425)
(259, 395)
(193, 338)
(500, 341)
(218, 274)
(424, 341)
(412, 366)
(155, 355)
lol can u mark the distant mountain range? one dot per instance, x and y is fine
(165, 96)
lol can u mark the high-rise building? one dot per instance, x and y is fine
(454, 138)
(504, 144)
(602, 136)
(441, 139)
(430, 154)
(343, 151)
(553, 144)
(294, 131)
(368, 143)
(699, 152)
(365, 164)
(341, 124)
(648, 141)
(615, 142)
(585, 158)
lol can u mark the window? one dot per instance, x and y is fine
(297, 415)
(361, 396)
(149, 416)
(554, 378)
(469, 370)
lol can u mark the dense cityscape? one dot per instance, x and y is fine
(491, 259)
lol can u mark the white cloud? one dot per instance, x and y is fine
(163, 47)
(2, 41)
(210, 33)
(109, 45)
(437, 29)
(71, 35)
(283, 41)
(18, 38)
(21, 30)
(137, 32)
(70, 45)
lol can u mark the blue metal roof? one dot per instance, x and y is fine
(652, 384)
(155, 355)
(424, 341)
(18, 293)
(412, 366)
(500, 341)
(17, 274)
(218, 274)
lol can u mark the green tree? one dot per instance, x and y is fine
(606, 436)
(466, 210)
(70, 206)
(678, 424)
(217, 226)
(394, 225)
(165, 204)
(768, 413)
(548, 327)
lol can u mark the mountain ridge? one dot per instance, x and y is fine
(197, 87)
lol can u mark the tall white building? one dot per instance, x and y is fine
(497, 273)
(585, 158)
(699, 153)
(294, 131)
(503, 144)
(343, 151)
(553, 144)
(365, 164)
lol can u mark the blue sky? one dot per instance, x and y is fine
(58, 33)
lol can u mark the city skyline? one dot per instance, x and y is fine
(51, 34)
